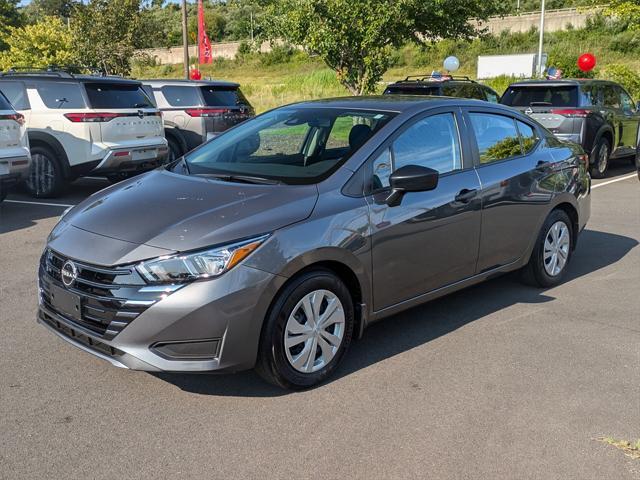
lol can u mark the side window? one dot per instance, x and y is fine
(182, 96)
(496, 135)
(431, 142)
(148, 90)
(16, 94)
(382, 170)
(611, 98)
(626, 101)
(490, 95)
(60, 95)
(528, 136)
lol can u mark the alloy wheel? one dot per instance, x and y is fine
(603, 158)
(314, 331)
(556, 248)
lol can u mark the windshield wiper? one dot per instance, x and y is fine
(241, 178)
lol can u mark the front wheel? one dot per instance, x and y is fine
(307, 331)
(46, 176)
(552, 252)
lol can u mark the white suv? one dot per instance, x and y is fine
(79, 125)
(14, 147)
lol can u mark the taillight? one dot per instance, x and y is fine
(93, 117)
(571, 112)
(16, 117)
(206, 112)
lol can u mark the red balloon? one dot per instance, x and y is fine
(586, 62)
(195, 74)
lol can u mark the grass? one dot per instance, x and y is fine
(630, 449)
(282, 77)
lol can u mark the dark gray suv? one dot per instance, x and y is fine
(598, 115)
(277, 243)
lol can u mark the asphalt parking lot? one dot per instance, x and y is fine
(500, 381)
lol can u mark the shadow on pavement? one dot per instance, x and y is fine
(420, 325)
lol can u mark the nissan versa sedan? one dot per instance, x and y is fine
(274, 245)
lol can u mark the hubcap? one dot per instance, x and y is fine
(41, 175)
(603, 158)
(556, 248)
(314, 331)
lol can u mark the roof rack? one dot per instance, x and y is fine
(442, 76)
(64, 72)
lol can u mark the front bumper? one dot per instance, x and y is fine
(134, 159)
(227, 312)
(14, 169)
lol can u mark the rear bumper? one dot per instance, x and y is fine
(14, 169)
(139, 158)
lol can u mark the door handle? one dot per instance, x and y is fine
(465, 195)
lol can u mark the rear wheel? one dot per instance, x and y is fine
(307, 332)
(552, 252)
(601, 154)
(174, 150)
(3, 193)
(46, 175)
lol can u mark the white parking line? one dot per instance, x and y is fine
(62, 205)
(627, 177)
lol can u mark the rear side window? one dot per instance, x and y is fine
(490, 95)
(496, 136)
(434, 90)
(430, 142)
(59, 95)
(4, 103)
(222, 96)
(528, 136)
(16, 94)
(113, 95)
(553, 96)
(470, 90)
(626, 101)
(148, 90)
(610, 96)
(178, 96)
(589, 96)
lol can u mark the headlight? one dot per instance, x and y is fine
(195, 266)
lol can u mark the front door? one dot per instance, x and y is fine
(431, 239)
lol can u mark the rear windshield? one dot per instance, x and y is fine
(112, 95)
(434, 90)
(223, 96)
(4, 103)
(531, 96)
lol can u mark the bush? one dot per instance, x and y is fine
(500, 84)
(278, 54)
(625, 76)
(568, 63)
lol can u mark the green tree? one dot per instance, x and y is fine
(627, 11)
(48, 42)
(9, 17)
(49, 8)
(356, 38)
(107, 32)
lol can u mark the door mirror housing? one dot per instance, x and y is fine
(411, 178)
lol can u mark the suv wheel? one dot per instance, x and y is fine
(174, 150)
(46, 176)
(552, 252)
(601, 153)
(307, 331)
(3, 193)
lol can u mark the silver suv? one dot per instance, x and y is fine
(82, 124)
(14, 147)
(196, 111)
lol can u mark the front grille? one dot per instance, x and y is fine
(110, 298)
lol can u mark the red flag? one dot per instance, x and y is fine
(205, 53)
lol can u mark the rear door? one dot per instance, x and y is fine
(431, 239)
(226, 106)
(126, 113)
(517, 177)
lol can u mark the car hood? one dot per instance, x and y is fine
(178, 212)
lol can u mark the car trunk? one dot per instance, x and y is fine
(10, 131)
(224, 107)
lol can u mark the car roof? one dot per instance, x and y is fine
(180, 82)
(560, 83)
(65, 77)
(398, 103)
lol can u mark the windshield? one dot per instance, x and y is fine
(290, 145)
(113, 95)
(530, 96)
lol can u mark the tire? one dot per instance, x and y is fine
(601, 154)
(46, 176)
(174, 150)
(539, 271)
(291, 367)
(3, 193)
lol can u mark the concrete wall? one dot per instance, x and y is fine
(173, 55)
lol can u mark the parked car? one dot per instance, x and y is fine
(443, 85)
(81, 124)
(597, 114)
(195, 111)
(283, 238)
(14, 148)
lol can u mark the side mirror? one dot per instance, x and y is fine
(411, 178)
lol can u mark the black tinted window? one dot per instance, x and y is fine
(4, 103)
(148, 90)
(556, 96)
(408, 90)
(496, 135)
(16, 94)
(111, 95)
(610, 96)
(528, 136)
(61, 95)
(430, 142)
(222, 96)
(182, 96)
(464, 90)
